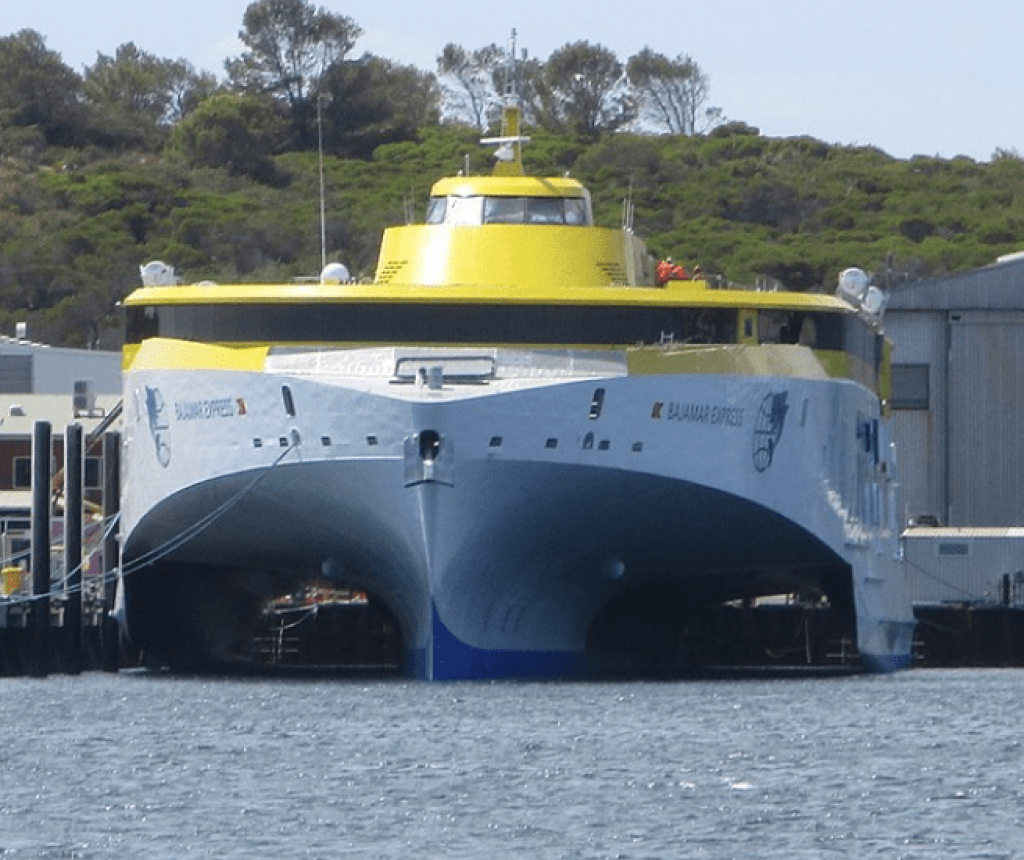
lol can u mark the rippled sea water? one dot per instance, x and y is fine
(927, 763)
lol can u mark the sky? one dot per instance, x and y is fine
(938, 78)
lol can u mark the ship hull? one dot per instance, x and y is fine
(535, 529)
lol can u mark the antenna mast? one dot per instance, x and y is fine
(323, 216)
(509, 144)
(510, 70)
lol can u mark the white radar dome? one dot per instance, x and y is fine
(853, 285)
(158, 274)
(335, 273)
(874, 302)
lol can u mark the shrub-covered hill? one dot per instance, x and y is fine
(76, 225)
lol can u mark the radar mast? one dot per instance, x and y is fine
(509, 151)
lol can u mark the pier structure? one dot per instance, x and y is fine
(57, 406)
(55, 605)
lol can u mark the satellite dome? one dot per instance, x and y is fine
(335, 273)
(853, 285)
(874, 302)
(158, 274)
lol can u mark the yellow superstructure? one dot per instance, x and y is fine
(510, 259)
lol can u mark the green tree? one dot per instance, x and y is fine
(130, 94)
(290, 46)
(38, 89)
(582, 89)
(187, 89)
(132, 81)
(372, 101)
(236, 132)
(671, 93)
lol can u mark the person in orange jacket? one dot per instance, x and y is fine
(669, 271)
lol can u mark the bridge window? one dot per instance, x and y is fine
(464, 210)
(508, 210)
(415, 322)
(545, 210)
(435, 210)
(504, 210)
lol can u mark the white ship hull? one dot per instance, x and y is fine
(511, 508)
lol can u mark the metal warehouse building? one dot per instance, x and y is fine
(958, 395)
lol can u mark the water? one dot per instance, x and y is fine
(923, 764)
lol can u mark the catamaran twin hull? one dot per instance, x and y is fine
(520, 513)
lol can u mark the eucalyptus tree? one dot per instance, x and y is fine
(290, 45)
(188, 88)
(480, 80)
(582, 88)
(471, 95)
(671, 93)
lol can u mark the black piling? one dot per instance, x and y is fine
(111, 551)
(73, 495)
(42, 440)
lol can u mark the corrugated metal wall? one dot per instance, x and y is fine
(986, 418)
(920, 339)
(962, 458)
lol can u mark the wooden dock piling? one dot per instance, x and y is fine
(73, 504)
(111, 631)
(42, 440)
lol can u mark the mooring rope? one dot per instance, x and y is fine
(171, 545)
(970, 594)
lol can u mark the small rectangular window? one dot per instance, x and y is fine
(22, 473)
(289, 401)
(910, 386)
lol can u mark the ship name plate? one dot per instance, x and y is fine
(698, 413)
(221, 407)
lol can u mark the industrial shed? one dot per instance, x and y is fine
(958, 395)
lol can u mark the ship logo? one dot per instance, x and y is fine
(771, 418)
(159, 429)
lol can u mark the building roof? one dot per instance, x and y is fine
(20, 412)
(40, 369)
(15, 502)
(996, 287)
(964, 532)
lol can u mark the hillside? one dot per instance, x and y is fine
(76, 224)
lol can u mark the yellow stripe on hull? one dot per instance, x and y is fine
(160, 353)
(779, 360)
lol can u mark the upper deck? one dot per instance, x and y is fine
(509, 259)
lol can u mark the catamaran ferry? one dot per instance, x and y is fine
(512, 439)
